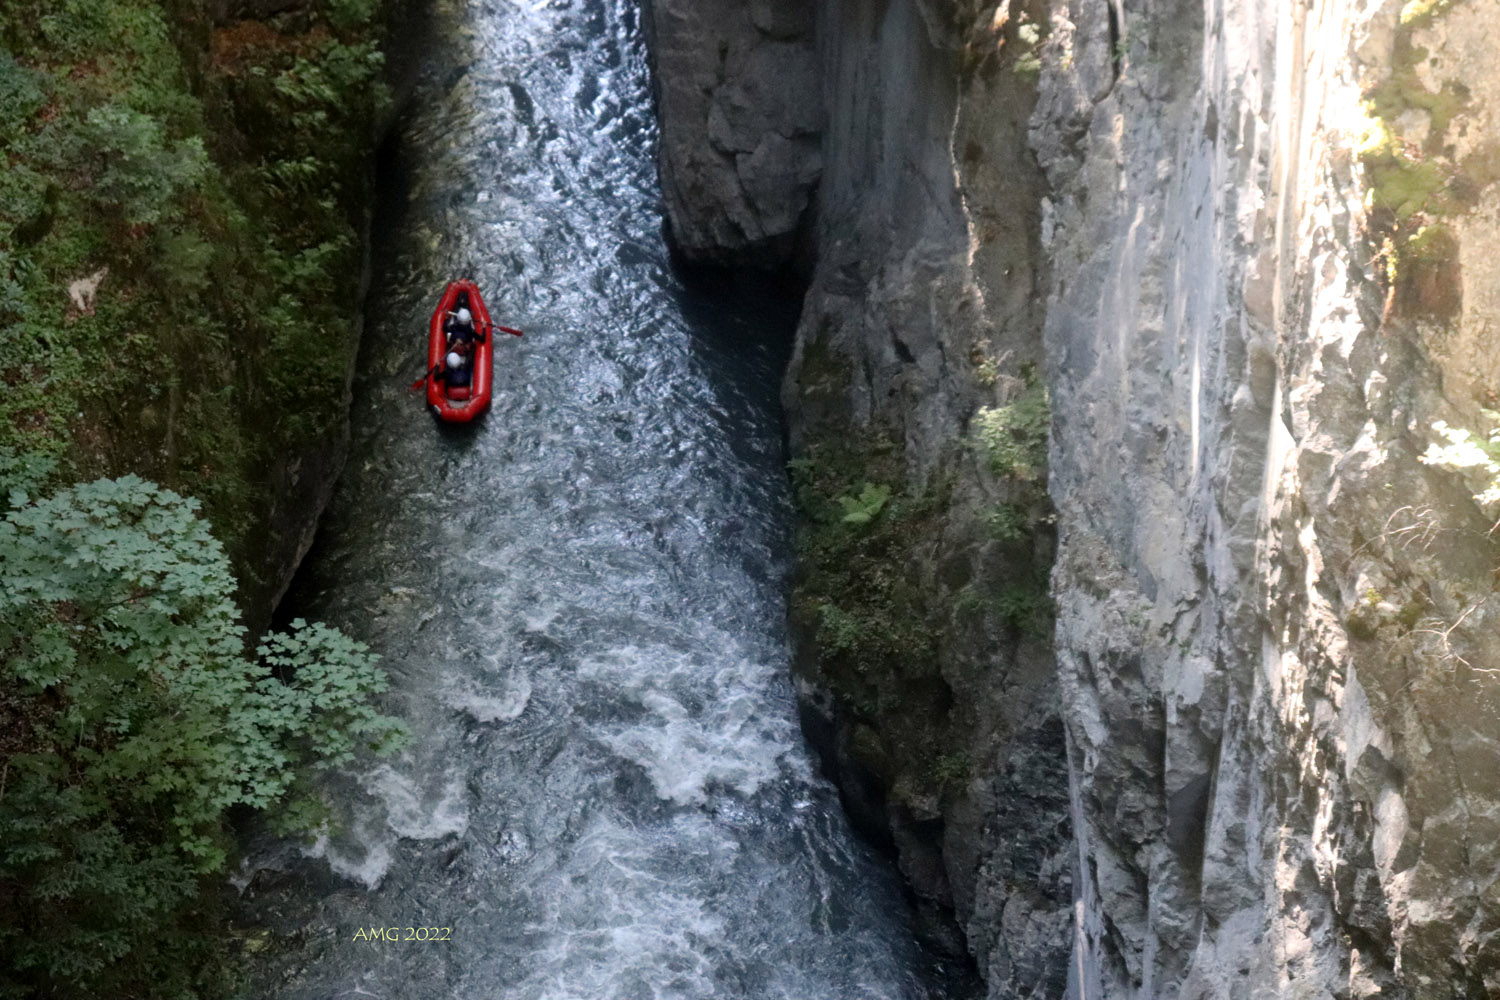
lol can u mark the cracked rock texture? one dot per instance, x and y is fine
(923, 307)
(740, 153)
(1275, 632)
(891, 137)
(1259, 755)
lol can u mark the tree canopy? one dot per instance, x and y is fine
(134, 720)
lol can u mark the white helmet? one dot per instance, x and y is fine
(463, 317)
(455, 360)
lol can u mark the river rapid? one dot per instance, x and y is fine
(580, 602)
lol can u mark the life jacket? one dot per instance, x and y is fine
(459, 377)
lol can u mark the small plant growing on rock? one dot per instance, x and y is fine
(1413, 180)
(1014, 436)
(862, 509)
(1008, 522)
(951, 770)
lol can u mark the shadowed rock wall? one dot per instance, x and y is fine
(923, 310)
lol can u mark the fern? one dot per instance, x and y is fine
(862, 509)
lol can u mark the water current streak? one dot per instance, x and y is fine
(580, 602)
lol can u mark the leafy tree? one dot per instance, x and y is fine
(134, 720)
(143, 169)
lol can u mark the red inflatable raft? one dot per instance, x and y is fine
(454, 403)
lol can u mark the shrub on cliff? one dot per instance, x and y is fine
(131, 722)
(870, 621)
(179, 211)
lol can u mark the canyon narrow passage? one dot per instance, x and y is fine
(580, 603)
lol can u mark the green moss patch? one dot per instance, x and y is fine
(1414, 185)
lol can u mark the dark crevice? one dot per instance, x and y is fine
(1116, 34)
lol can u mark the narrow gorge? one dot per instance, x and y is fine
(1235, 261)
(995, 498)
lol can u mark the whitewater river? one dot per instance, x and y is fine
(581, 602)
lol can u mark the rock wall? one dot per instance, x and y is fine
(923, 311)
(740, 152)
(939, 716)
(1250, 245)
(1271, 633)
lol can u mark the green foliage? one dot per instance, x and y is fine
(223, 217)
(1029, 37)
(951, 770)
(863, 508)
(1413, 184)
(1026, 607)
(854, 590)
(986, 370)
(1406, 188)
(1014, 436)
(1374, 614)
(1023, 605)
(22, 474)
(143, 170)
(1419, 13)
(21, 97)
(1009, 522)
(137, 721)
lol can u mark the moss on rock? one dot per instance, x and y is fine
(1413, 181)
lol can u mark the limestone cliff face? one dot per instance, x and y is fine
(939, 715)
(740, 153)
(923, 310)
(1273, 630)
(1252, 246)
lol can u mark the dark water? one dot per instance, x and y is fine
(580, 602)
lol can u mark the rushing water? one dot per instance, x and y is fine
(580, 602)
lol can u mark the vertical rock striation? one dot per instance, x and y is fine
(1272, 616)
(923, 311)
(1251, 249)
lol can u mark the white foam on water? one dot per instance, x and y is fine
(367, 865)
(364, 849)
(538, 618)
(704, 725)
(632, 916)
(411, 812)
(501, 701)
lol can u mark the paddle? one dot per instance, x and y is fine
(418, 383)
(509, 329)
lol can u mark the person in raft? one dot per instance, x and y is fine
(459, 326)
(457, 373)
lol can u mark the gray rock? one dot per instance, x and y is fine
(1269, 802)
(744, 78)
(1268, 712)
